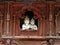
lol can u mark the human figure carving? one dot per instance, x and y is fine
(26, 24)
(32, 24)
(29, 24)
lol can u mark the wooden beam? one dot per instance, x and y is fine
(30, 37)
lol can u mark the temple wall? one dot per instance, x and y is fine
(47, 13)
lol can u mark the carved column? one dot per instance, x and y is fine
(57, 21)
(1, 24)
(44, 29)
(8, 20)
(56, 25)
(51, 18)
(14, 28)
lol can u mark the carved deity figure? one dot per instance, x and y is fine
(29, 24)
(26, 24)
(32, 24)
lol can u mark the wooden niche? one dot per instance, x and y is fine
(20, 10)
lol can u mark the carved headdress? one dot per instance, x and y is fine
(26, 19)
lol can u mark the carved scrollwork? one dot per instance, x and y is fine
(14, 42)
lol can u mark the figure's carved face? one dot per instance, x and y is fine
(32, 21)
(26, 21)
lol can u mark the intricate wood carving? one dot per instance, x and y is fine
(56, 13)
(43, 11)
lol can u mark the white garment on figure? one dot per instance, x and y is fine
(25, 27)
(33, 27)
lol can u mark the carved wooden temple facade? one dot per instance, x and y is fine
(47, 19)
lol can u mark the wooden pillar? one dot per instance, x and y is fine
(56, 25)
(8, 21)
(40, 31)
(51, 18)
(44, 29)
(1, 24)
(14, 26)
